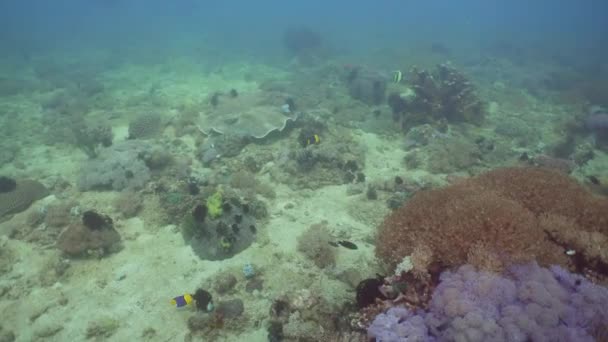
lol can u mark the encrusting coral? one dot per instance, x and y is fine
(494, 220)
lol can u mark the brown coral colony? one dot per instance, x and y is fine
(505, 216)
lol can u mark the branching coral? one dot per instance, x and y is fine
(493, 220)
(453, 221)
(542, 191)
(445, 94)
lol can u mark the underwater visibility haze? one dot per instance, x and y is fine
(303, 170)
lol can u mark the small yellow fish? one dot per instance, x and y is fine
(314, 139)
(397, 76)
(182, 300)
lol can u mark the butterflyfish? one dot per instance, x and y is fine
(397, 76)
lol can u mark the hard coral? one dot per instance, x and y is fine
(496, 214)
(22, 195)
(90, 138)
(121, 166)
(145, 126)
(222, 228)
(94, 235)
(543, 191)
(445, 94)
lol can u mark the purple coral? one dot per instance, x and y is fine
(528, 303)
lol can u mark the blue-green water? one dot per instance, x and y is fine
(246, 171)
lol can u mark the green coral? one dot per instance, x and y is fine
(214, 204)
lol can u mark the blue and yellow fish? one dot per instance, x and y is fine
(313, 140)
(183, 300)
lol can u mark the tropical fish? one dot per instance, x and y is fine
(343, 243)
(397, 76)
(313, 140)
(183, 300)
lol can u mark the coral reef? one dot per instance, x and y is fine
(45, 222)
(527, 303)
(145, 126)
(228, 316)
(314, 244)
(337, 159)
(251, 115)
(89, 138)
(445, 94)
(221, 227)
(305, 315)
(214, 205)
(94, 235)
(496, 214)
(19, 197)
(122, 166)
